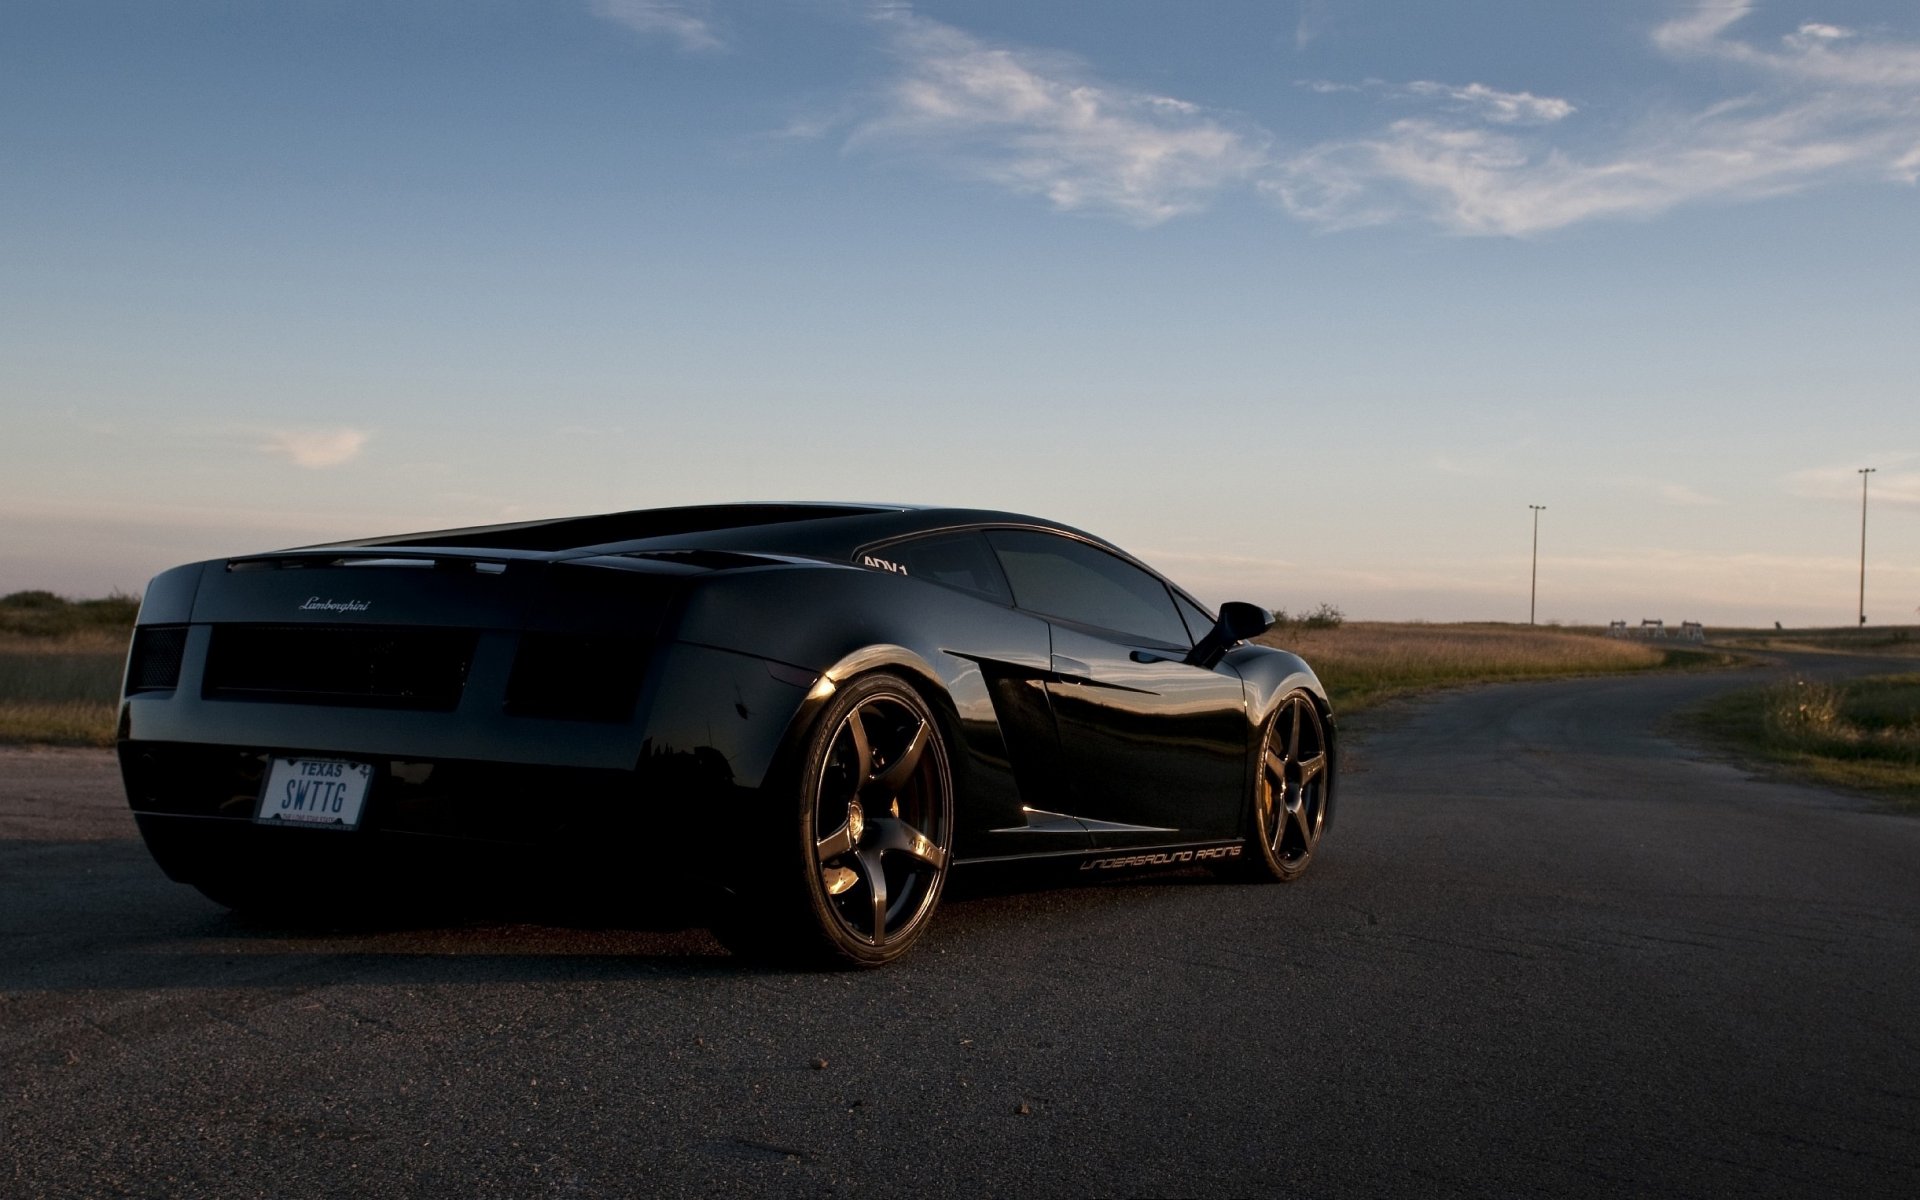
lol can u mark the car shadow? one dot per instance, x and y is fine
(99, 915)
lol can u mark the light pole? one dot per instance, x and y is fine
(1533, 588)
(1863, 473)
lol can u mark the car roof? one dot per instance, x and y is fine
(823, 530)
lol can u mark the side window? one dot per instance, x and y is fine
(1060, 577)
(1199, 624)
(958, 560)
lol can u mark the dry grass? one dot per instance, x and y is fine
(1889, 641)
(1364, 662)
(1864, 733)
(61, 690)
(45, 615)
(57, 723)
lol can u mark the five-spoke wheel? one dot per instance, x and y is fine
(876, 817)
(882, 818)
(1291, 797)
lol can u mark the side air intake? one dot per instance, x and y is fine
(154, 665)
(576, 677)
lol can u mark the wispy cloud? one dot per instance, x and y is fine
(1678, 495)
(1475, 99)
(1492, 104)
(1681, 495)
(1826, 104)
(316, 448)
(1314, 20)
(1258, 562)
(1040, 124)
(1888, 484)
(686, 23)
(1815, 51)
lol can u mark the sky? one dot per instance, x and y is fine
(1302, 302)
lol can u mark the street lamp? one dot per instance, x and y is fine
(1863, 473)
(1533, 588)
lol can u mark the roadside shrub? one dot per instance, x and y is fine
(1875, 718)
(42, 614)
(1326, 616)
(1800, 709)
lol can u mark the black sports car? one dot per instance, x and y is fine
(814, 712)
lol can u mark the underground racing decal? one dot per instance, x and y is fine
(1162, 859)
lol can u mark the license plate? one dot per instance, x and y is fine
(320, 793)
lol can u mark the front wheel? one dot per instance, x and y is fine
(858, 862)
(1291, 795)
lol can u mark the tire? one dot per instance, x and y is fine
(1291, 793)
(854, 856)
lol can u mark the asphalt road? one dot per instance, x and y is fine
(1547, 951)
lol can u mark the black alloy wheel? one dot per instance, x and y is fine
(1290, 797)
(876, 819)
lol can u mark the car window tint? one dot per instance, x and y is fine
(1060, 577)
(958, 560)
(1199, 624)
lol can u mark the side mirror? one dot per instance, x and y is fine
(1238, 622)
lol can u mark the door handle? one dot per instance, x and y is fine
(1146, 656)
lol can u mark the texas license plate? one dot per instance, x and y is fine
(322, 793)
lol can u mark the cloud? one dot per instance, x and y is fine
(316, 448)
(1827, 105)
(1038, 124)
(1887, 485)
(1475, 99)
(685, 22)
(1314, 20)
(1491, 104)
(1678, 495)
(1685, 497)
(1699, 29)
(1238, 562)
(1814, 52)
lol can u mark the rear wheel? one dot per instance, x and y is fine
(1290, 796)
(857, 864)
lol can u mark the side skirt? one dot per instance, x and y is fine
(1182, 854)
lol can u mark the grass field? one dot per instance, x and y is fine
(1889, 641)
(60, 661)
(1364, 662)
(1862, 734)
(60, 690)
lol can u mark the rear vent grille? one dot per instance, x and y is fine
(364, 667)
(576, 677)
(155, 663)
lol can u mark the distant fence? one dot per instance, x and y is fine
(1655, 629)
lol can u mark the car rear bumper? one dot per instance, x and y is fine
(195, 806)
